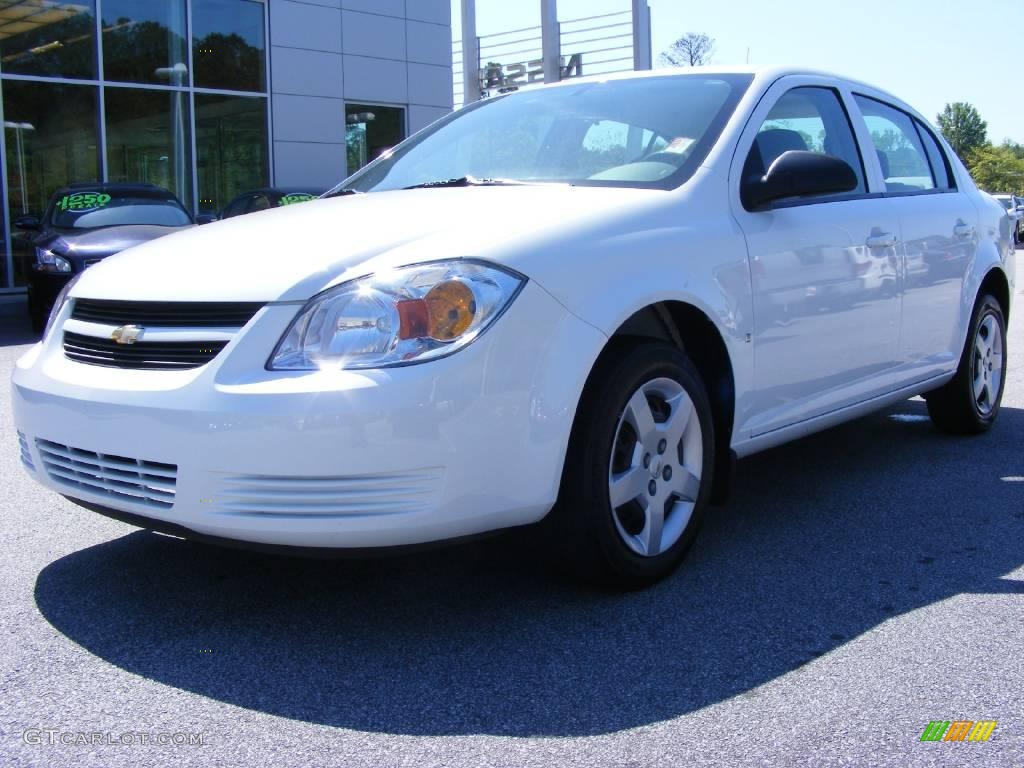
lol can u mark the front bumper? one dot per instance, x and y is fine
(350, 459)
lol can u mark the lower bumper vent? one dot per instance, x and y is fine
(142, 482)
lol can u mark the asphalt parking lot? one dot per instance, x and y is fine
(860, 583)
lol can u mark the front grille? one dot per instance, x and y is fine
(26, 455)
(142, 355)
(144, 482)
(165, 314)
(89, 262)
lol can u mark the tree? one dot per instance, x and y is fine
(1015, 148)
(963, 128)
(690, 50)
(997, 169)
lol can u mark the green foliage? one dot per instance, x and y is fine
(1015, 148)
(963, 128)
(998, 169)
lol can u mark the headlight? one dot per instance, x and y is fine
(48, 261)
(59, 302)
(404, 316)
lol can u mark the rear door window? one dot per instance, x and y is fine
(901, 153)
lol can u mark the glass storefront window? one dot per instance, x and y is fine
(369, 131)
(228, 44)
(52, 126)
(148, 139)
(231, 145)
(144, 41)
(50, 136)
(41, 37)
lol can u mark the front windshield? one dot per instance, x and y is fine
(90, 209)
(1007, 204)
(649, 132)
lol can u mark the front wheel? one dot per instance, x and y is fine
(969, 403)
(639, 468)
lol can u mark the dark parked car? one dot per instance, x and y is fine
(1014, 206)
(85, 223)
(271, 197)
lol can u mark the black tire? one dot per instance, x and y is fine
(954, 408)
(583, 534)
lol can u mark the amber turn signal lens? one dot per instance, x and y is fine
(451, 306)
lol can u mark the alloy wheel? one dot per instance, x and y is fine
(655, 469)
(987, 368)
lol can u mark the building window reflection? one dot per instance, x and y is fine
(50, 138)
(228, 44)
(42, 37)
(148, 139)
(52, 127)
(231, 147)
(142, 38)
(370, 131)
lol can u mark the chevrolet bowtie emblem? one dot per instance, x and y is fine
(127, 334)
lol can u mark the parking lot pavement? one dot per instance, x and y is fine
(861, 583)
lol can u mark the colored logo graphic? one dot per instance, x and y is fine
(80, 202)
(958, 730)
(299, 197)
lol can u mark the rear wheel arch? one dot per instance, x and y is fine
(996, 285)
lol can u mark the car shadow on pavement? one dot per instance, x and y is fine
(823, 540)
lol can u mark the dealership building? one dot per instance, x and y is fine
(211, 98)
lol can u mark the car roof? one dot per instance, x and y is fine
(763, 77)
(765, 74)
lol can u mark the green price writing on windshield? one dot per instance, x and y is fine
(80, 202)
(300, 197)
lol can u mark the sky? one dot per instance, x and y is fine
(926, 52)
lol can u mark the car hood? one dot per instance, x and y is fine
(292, 253)
(106, 241)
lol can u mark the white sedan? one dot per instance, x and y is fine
(577, 304)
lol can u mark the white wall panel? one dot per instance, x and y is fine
(306, 73)
(300, 25)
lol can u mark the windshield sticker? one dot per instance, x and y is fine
(82, 202)
(679, 145)
(298, 197)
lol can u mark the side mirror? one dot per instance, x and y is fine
(799, 174)
(206, 218)
(30, 223)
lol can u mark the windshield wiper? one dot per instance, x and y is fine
(468, 181)
(344, 191)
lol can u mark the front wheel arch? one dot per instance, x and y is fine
(690, 330)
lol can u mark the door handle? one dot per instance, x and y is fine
(963, 231)
(881, 240)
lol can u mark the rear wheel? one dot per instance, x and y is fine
(639, 468)
(969, 403)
